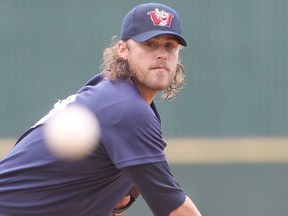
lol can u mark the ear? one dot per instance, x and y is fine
(122, 50)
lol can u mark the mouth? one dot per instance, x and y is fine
(160, 68)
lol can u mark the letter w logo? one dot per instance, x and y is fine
(161, 18)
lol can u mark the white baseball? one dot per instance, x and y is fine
(73, 133)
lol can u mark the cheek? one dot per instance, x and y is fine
(173, 61)
(138, 62)
(174, 55)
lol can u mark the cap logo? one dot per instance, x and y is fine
(160, 18)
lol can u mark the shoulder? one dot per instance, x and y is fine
(116, 101)
(119, 86)
(102, 92)
(134, 112)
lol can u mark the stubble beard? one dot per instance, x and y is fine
(154, 80)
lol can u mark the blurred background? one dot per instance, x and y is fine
(227, 131)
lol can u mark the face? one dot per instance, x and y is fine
(153, 62)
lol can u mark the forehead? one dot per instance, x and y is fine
(165, 37)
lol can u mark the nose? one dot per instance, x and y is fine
(162, 52)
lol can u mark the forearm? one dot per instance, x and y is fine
(160, 190)
(187, 208)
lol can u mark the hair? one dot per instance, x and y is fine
(115, 67)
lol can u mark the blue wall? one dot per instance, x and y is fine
(237, 70)
(236, 62)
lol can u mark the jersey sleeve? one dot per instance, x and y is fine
(133, 135)
(157, 186)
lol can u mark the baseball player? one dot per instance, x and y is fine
(130, 158)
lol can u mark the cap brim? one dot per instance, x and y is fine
(150, 34)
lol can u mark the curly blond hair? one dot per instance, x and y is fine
(115, 67)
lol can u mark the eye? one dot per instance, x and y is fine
(150, 44)
(171, 45)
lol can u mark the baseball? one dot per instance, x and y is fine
(73, 133)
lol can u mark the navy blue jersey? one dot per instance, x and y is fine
(35, 182)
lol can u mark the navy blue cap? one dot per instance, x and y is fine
(146, 21)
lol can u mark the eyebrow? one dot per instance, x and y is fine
(167, 36)
(171, 37)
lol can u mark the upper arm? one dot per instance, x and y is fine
(133, 136)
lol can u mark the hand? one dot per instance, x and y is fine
(126, 202)
(123, 202)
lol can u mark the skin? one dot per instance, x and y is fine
(123, 202)
(154, 64)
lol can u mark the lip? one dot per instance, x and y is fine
(160, 68)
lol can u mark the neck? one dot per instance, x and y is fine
(147, 94)
(148, 98)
